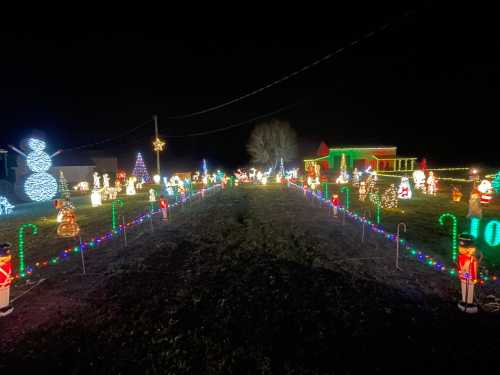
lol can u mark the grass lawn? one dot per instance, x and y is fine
(421, 215)
(93, 222)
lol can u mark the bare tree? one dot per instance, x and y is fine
(271, 141)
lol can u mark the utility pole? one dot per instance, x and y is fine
(158, 145)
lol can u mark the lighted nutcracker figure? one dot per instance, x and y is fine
(467, 272)
(335, 204)
(5, 279)
(164, 207)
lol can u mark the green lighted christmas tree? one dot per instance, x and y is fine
(63, 186)
(496, 183)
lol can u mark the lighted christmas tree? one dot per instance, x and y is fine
(64, 191)
(390, 197)
(496, 183)
(140, 171)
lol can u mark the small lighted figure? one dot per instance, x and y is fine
(131, 186)
(467, 272)
(105, 181)
(5, 279)
(152, 195)
(419, 180)
(456, 194)
(404, 190)
(486, 190)
(431, 184)
(362, 191)
(335, 204)
(97, 181)
(264, 180)
(96, 198)
(68, 226)
(6, 207)
(164, 207)
(356, 177)
(82, 186)
(475, 209)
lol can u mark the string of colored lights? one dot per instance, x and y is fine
(28, 270)
(427, 259)
(439, 178)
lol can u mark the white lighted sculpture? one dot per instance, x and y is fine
(96, 198)
(419, 179)
(152, 195)
(404, 190)
(131, 186)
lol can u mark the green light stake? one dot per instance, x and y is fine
(454, 233)
(113, 211)
(376, 201)
(346, 190)
(20, 237)
(325, 190)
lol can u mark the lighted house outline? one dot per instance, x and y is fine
(379, 158)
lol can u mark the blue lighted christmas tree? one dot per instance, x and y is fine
(140, 171)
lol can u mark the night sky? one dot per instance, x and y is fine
(428, 84)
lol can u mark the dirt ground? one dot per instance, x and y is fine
(251, 280)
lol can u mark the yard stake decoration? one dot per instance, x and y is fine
(454, 230)
(397, 244)
(113, 211)
(20, 236)
(346, 190)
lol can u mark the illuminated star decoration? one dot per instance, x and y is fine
(158, 145)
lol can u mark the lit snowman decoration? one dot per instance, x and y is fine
(39, 186)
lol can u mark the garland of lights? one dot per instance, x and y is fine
(20, 241)
(454, 233)
(346, 191)
(92, 243)
(113, 211)
(423, 258)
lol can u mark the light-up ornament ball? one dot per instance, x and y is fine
(156, 178)
(40, 186)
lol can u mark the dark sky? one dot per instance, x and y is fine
(428, 84)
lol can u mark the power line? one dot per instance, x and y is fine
(218, 130)
(286, 77)
(110, 139)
